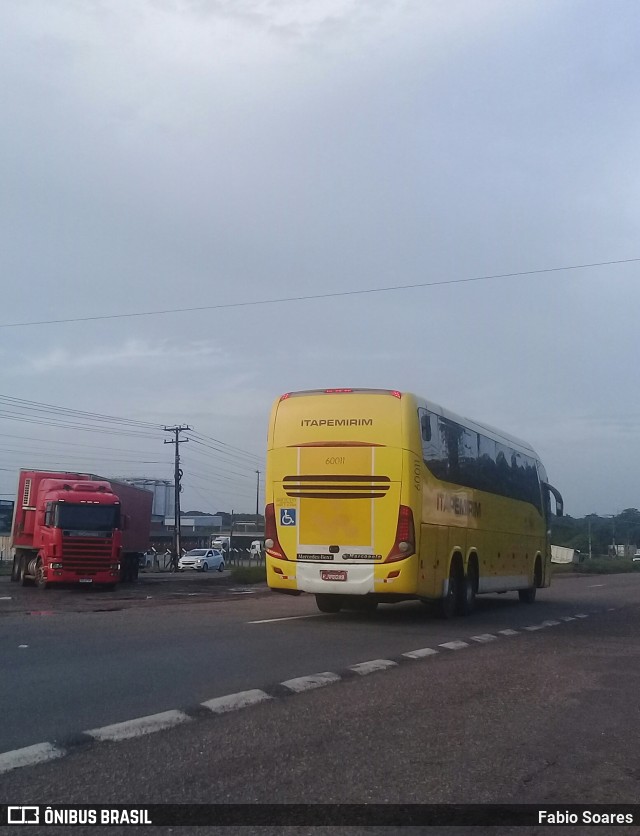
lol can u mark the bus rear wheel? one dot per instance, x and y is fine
(328, 603)
(450, 604)
(469, 589)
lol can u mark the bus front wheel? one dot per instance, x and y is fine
(528, 596)
(328, 603)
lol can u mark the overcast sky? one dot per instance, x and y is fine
(183, 153)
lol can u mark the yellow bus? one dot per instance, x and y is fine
(381, 496)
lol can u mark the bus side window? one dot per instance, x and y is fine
(486, 463)
(425, 425)
(431, 450)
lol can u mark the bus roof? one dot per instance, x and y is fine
(476, 426)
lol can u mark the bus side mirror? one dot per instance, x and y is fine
(558, 498)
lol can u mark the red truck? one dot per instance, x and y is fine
(78, 528)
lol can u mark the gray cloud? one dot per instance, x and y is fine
(166, 154)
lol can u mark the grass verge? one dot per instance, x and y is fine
(249, 574)
(598, 566)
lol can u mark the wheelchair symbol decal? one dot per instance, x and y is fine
(287, 516)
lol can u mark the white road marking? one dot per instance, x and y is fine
(509, 632)
(23, 645)
(483, 638)
(593, 585)
(306, 683)
(534, 627)
(232, 702)
(567, 618)
(29, 756)
(141, 725)
(363, 668)
(286, 618)
(420, 653)
(6, 598)
(455, 645)
(550, 623)
(581, 615)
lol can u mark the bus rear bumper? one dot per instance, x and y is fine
(323, 578)
(381, 579)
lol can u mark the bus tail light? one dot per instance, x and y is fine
(405, 543)
(271, 542)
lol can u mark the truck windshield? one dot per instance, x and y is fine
(87, 517)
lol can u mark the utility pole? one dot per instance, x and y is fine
(177, 476)
(257, 497)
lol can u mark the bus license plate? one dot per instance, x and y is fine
(333, 574)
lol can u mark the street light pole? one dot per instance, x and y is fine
(177, 477)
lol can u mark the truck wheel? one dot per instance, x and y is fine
(41, 581)
(23, 578)
(15, 569)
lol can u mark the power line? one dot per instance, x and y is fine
(230, 447)
(9, 416)
(51, 442)
(228, 458)
(37, 406)
(314, 296)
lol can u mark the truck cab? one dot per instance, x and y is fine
(70, 528)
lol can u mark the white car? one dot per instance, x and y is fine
(202, 560)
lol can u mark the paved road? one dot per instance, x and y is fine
(100, 667)
(543, 715)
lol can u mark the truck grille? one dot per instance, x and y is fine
(86, 555)
(336, 487)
